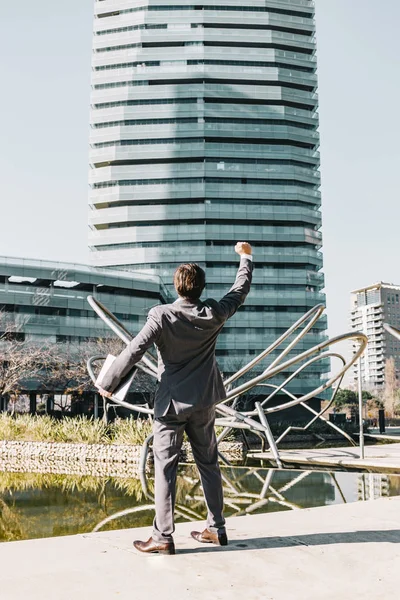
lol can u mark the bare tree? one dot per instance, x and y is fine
(391, 391)
(66, 371)
(21, 360)
(67, 374)
(145, 385)
(54, 368)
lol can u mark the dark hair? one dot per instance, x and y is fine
(189, 281)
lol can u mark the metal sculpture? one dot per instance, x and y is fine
(255, 420)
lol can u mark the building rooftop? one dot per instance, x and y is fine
(73, 275)
(379, 285)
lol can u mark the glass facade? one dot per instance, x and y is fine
(49, 299)
(204, 131)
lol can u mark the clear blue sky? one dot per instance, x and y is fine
(44, 108)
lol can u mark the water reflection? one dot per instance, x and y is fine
(34, 505)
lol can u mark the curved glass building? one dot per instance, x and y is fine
(204, 132)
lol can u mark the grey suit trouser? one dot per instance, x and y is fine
(167, 443)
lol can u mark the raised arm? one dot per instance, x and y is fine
(146, 337)
(238, 292)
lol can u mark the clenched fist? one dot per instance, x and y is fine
(243, 248)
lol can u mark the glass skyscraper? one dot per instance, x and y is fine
(204, 132)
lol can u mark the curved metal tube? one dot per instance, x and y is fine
(392, 330)
(296, 359)
(122, 513)
(110, 320)
(295, 400)
(315, 313)
(137, 407)
(143, 456)
(116, 326)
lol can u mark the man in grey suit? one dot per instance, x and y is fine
(190, 385)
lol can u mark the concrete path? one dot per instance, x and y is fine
(391, 431)
(383, 458)
(350, 551)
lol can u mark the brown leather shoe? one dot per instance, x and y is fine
(208, 537)
(152, 546)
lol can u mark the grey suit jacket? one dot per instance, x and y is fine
(185, 334)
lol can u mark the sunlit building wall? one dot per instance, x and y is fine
(371, 307)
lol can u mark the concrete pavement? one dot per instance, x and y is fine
(348, 551)
(389, 430)
(381, 458)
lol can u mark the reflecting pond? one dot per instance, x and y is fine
(41, 505)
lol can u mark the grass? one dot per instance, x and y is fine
(83, 430)
(27, 428)
(130, 431)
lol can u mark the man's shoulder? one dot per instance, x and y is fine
(213, 305)
(204, 308)
(161, 309)
(210, 302)
(154, 311)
